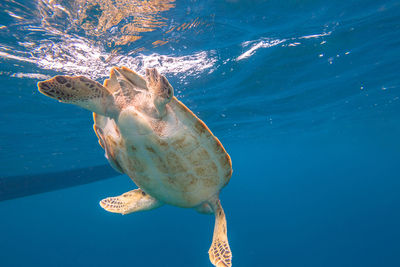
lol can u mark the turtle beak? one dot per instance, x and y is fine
(45, 88)
(54, 89)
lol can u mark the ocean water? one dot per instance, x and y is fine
(304, 95)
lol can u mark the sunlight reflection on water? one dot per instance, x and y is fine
(88, 37)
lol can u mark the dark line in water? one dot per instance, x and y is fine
(26, 185)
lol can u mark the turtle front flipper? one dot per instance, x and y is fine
(113, 83)
(109, 154)
(132, 201)
(82, 92)
(220, 253)
(161, 90)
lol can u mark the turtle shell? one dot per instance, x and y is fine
(177, 160)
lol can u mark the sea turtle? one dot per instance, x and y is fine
(151, 136)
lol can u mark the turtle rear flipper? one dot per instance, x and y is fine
(220, 253)
(132, 201)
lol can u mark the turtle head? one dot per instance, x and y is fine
(80, 91)
(161, 89)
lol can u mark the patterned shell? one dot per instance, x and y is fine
(180, 162)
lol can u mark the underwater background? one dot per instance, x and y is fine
(304, 95)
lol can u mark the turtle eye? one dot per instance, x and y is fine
(169, 91)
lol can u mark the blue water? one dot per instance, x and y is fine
(304, 95)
